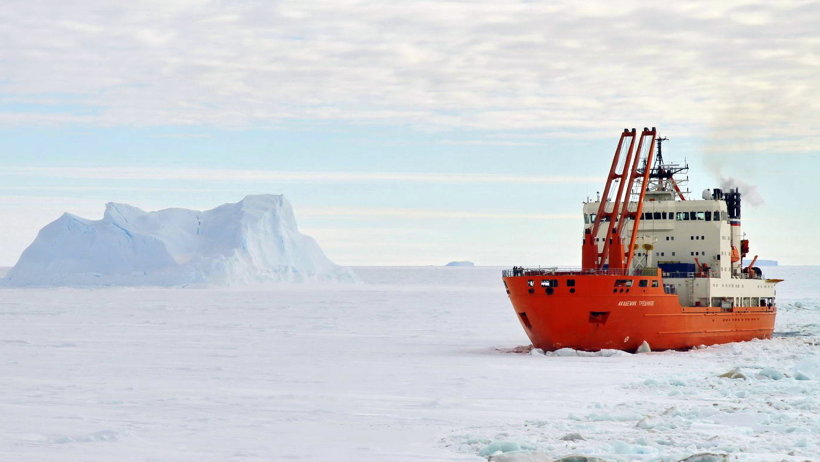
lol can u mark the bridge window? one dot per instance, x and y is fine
(623, 283)
(657, 215)
(570, 282)
(643, 283)
(654, 283)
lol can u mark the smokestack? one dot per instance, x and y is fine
(732, 199)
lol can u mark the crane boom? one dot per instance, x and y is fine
(626, 174)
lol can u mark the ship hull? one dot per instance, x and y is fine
(593, 312)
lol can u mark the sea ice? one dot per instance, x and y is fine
(771, 373)
(799, 375)
(520, 457)
(644, 348)
(733, 374)
(809, 367)
(500, 447)
(379, 371)
(565, 352)
(578, 458)
(572, 437)
(706, 457)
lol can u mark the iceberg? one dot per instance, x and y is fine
(461, 263)
(255, 240)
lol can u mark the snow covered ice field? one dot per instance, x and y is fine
(405, 366)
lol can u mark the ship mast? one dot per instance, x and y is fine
(662, 175)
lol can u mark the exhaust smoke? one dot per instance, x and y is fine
(750, 193)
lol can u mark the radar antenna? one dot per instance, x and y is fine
(662, 175)
(659, 158)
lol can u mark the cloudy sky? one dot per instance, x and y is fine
(406, 132)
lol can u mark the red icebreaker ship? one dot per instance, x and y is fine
(655, 267)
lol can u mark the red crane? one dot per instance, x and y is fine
(614, 206)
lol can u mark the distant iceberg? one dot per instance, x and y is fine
(255, 240)
(460, 263)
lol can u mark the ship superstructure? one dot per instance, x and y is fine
(655, 266)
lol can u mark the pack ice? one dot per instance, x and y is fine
(255, 240)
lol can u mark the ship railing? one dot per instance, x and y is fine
(745, 275)
(576, 271)
(708, 274)
(679, 275)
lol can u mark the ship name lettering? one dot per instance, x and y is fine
(636, 303)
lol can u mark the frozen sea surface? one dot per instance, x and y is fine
(404, 367)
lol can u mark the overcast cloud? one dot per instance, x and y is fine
(746, 70)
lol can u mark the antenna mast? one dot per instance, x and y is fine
(659, 159)
(662, 175)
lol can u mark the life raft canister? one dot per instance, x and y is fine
(735, 255)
